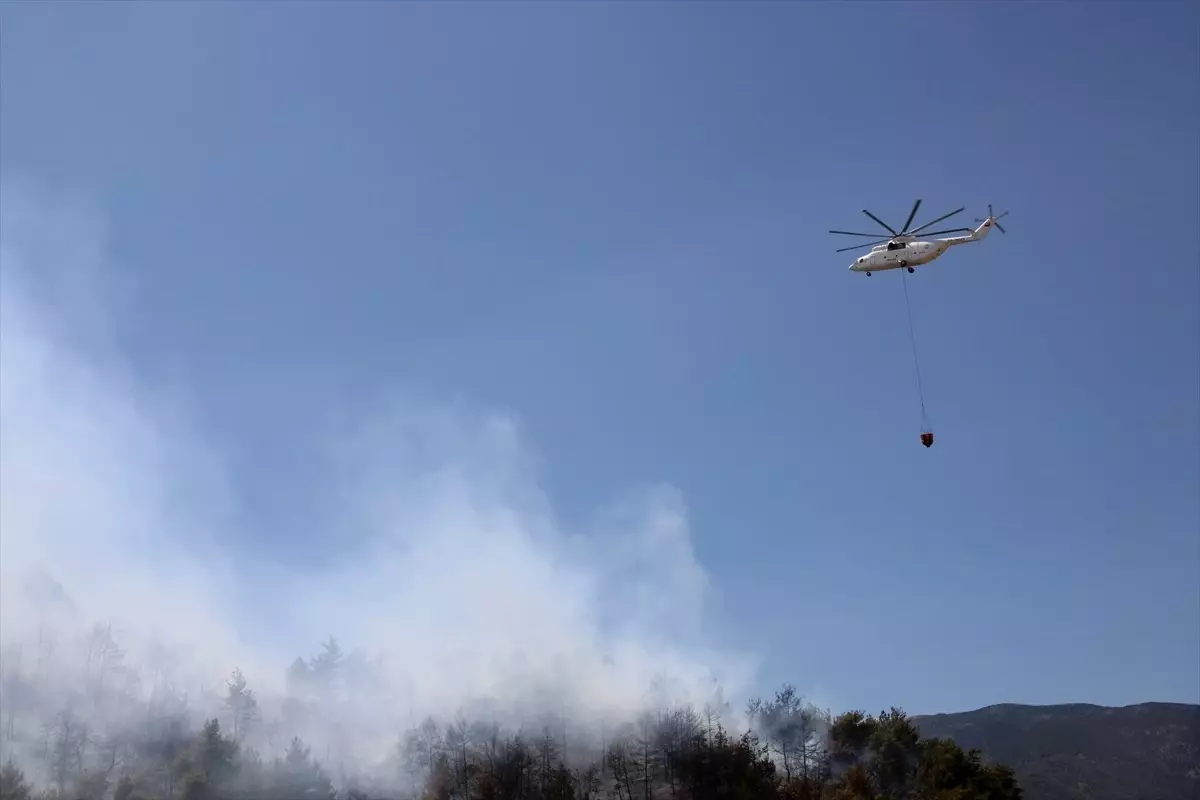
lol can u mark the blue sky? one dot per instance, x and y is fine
(609, 220)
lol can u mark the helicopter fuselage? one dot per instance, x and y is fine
(906, 252)
(903, 254)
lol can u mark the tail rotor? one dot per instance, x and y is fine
(994, 218)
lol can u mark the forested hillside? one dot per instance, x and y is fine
(120, 732)
(1149, 751)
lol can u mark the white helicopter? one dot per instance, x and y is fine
(906, 250)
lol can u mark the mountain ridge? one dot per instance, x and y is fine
(1072, 751)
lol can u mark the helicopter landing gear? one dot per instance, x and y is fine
(905, 264)
(911, 270)
(868, 274)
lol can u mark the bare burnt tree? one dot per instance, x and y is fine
(457, 741)
(789, 726)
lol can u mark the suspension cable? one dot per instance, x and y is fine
(913, 338)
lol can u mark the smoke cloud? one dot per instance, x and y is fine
(460, 590)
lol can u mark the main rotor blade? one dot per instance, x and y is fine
(998, 225)
(857, 246)
(948, 230)
(936, 221)
(881, 222)
(851, 233)
(908, 221)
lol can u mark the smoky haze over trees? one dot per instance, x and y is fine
(157, 641)
(108, 738)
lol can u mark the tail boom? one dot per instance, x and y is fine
(979, 233)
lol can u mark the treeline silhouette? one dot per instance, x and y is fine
(103, 742)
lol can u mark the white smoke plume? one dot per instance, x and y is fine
(462, 590)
